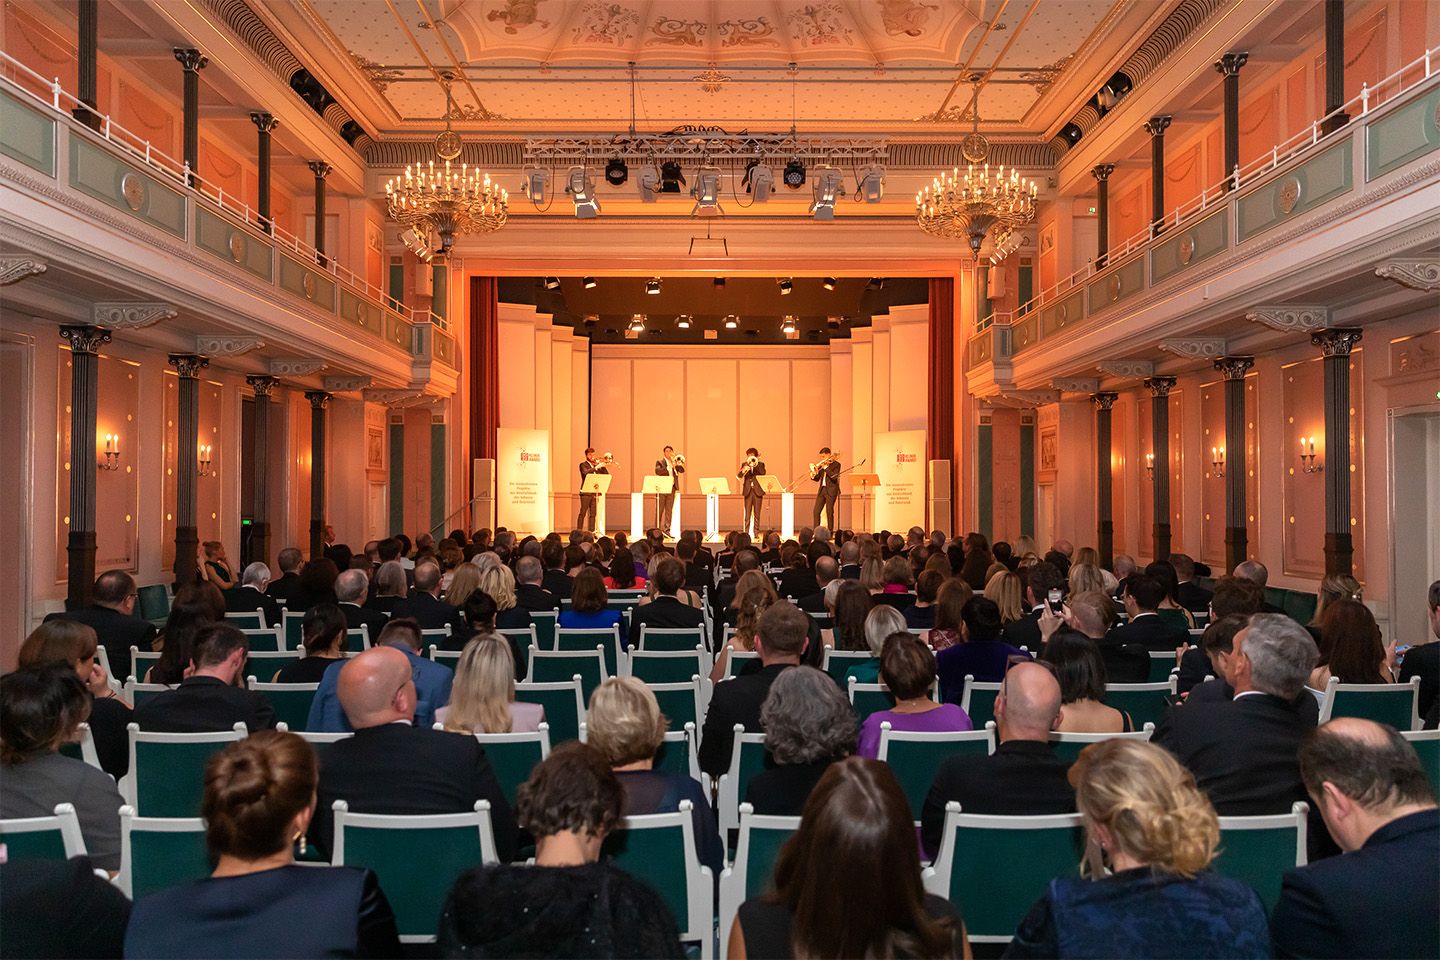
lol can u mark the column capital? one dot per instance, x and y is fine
(84, 338)
(1159, 386)
(265, 121)
(1104, 401)
(1102, 171)
(1229, 65)
(191, 59)
(320, 168)
(262, 385)
(1337, 341)
(1156, 126)
(1234, 368)
(188, 365)
(319, 399)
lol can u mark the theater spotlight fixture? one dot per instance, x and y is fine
(875, 283)
(732, 322)
(552, 283)
(759, 181)
(719, 283)
(829, 186)
(828, 283)
(637, 321)
(591, 319)
(787, 287)
(582, 191)
(872, 183)
(649, 183)
(652, 287)
(706, 193)
(788, 328)
(795, 174)
(537, 179)
(588, 283)
(671, 179)
(682, 322)
(616, 172)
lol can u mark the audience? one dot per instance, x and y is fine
(432, 682)
(111, 615)
(1190, 595)
(73, 644)
(1351, 647)
(424, 605)
(754, 594)
(848, 612)
(591, 908)
(589, 604)
(809, 724)
(351, 588)
(665, 611)
(907, 668)
(315, 585)
(1256, 573)
(1040, 580)
(390, 587)
(1159, 835)
(1144, 625)
(624, 572)
(260, 793)
(250, 596)
(325, 639)
(898, 579)
(482, 699)
(284, 589)
(210, 698)
(178, 642)
(1232, 596)
(1169, 609)
(950, 603)
(1091, 614)
(880, 623)
(981, 652)
(1006, 589)
(1080, 669)
(1423, 659)
(60, 908)
(530, 593)
(920, 615)
(499, 583)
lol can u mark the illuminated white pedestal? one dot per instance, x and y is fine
(675, 517)
(712, 517)
(787, 515)
(637, 516)
(600, 514)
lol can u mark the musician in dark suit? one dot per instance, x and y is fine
(1382, 898)
(750, 470)
(208, 700)
(591, 464)
(392, 766)
(350, 589)
(111, 615)
(1143, 596)
(780, 642)
(666, 610)
(250, 596)
(826, 473)
(672, 466)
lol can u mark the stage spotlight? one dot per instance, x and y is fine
(591, 319)
(787, 287)
(588, 283)
(829, 185)
(795, 174)
(637, 321)
(536, 180)
(875, 283)
(652, 287)
(788, 328)
(616, 172)
(671, 179)
(719, 283)
(759, 180)
(682, 322)
(552, 283)
(872, 183)
(582, 191)
(732, 322)
(649, 181)
(706, 193)
(828, 283)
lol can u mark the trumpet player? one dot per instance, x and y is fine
(591, 464)
(670, 464)
(751, 469)
(826, 472)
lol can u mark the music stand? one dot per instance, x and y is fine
(866, 482)
(658, 485)
(597, 483)
(771, 485)
(714, 488)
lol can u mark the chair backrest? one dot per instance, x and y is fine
(747, 758)
(577, 640)
(415, 858)
(357, 640)
(153, 603)
(1033, 850)
(56, 837)
(1258, 850)
(270, 639)
(749, 874)
(978, 700)
(138, 693)
(915, 757)
(83, 749)
(290, 700)
(248, 620)
(680, 702)
(564, 705)
(868, 698)
(671, 638)
(679, 754)
(140, 662)
(292, 629)
(527, 639)
(1397, 704)
(1161, 663)
(435, 634)
(313, 737)
(513, 755)
(1427, 745)
(659, 848)
(735, 660)
(838, 662)
(167, 770)
(114, 681)
(157, 853)
(544, 623)
(667, 666)
(448, 658)
(550, 666)
(1067, 746)
(1145, 702)
(265, 664)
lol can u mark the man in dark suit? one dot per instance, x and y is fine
(1231, 598)
(827, 492)
(529, 594)
(751, 469)
(1189, 594)
(770, 552)
(850, 560)
(250, 596)
(288, 586)
(666, 610)
(1423, 659)
(1023, 777)
(208, 700)
(350, 589)
(1088, 613)
(1040, 579)
(1382, 898)
(424, 605)
(111, 615)
(799, 580)
(783, 632)
(1219, 646)
(1258, 574)
(1143, 596)
(392, 765)
(697, 577)
(555, 580)
(826, 570)
(667, 466)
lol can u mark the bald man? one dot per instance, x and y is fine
(431, 680)
(1023, 777)
(393, 766)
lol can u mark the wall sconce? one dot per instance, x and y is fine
(205, 450)
(111, 460)
(1308, 461)
(1217, 460)
(1150, 465)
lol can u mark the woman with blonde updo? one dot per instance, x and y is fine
(1158, 833)
(499, 583)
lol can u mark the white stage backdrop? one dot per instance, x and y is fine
(523, 468)
(900, 464)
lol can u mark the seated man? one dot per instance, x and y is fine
(555, 580)
(529, 594)
(1382, 898)
(1190, 594)
(1143, 596)
(251, 595)
(1423, 659)
(432, 681)
(287, 588)
(1040, 579)
(350, 590)
(210, 699)
(424, 605)
(396, 765)
(665, 611)
(1232, 596)
(111, 615)
(1023, 777)
(827, 570)
(1090, 613)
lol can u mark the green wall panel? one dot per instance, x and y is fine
(1027, 479)
(397, 477)
(1405, 134)
(437, 477)
(218, 236)
(1291, 193)
(364, 313)
(27, 135)
(1189, 245)
(984, 478)
(1119, 284)
(305, 281)
(96, 172)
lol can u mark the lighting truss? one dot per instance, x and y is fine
(708, 146)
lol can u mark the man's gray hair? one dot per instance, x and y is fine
(290, 559)
(880, 622)
(806, 718)
(351, 586)
(255, 574)
(1123, 566)
(1252, 570)
(1281, 654)
(822, 532)
(850, 552)
(390, 579)
(528, 570)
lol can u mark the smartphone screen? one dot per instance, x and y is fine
(1053, 601)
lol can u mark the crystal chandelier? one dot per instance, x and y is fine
(976, 204)
(443, 201)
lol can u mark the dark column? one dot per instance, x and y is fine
(1233, 370)
(1334, 65)
(319, 400)
(1101, 172)
(1156, 127)
(259, 456)
(1104, 500)
(1229, 67)
(1160, 388)
(87, 48)
(85, 344)
(193, 61)
(265, 123)
(321, 169)
(187, 466)
(1336, 345)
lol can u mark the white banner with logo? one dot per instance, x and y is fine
(900, 464)
(523, 475)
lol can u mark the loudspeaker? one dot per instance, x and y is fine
(995, 289)
(941, 511)
(482, 507)
(424, 279)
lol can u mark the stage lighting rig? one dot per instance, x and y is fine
(828, 283)
(582, 192)
(537, 179)
(872, 183)
(706, 193)
(795, 173)
(552, 283)
(829, 186)
(671, 178)
(616, 172)
(652, 287)
(759, 180)
(787, 286)
(649, 182)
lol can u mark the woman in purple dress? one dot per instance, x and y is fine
(907, 667)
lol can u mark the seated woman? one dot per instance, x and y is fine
(920, 615)
(1144, 815)
(466, 581)
(74, 644)
(216, 566)
(41, 709)
(626, 726)
(499, 583)
(949, 620)
(848, 608)
(879, 624)
(898, 579)
(847, 884)
(1170, 608)
(316, 585)
(482, 699)
(589, 604)
(1081, 671)
(623, 572)
(259, 796)
(809, 724)
(754, 593)
(325, 639)
(1351, 647)
(981, 653)
(1005, 589)
(195, 605)
(907, 667)
(570, 903)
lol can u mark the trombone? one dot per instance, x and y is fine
(609, 460)
(824, 462)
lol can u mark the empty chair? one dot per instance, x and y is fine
(446, 658)
(167, 770)
(139, 693)
(525, 640)
(272, 639)
(1396, 704)
(292, 629)
(679, 754)
(1162, 663)
(575, 640)
(141, 661)
(357, 640)
(736, 661)
(915, 757)
(549, 666)
(263, 665)
(56, 837)
(564, 703)
(667, 666)
(747, 758)
(838, 662)
(1258, 850)
(160, 852)
(249, 620)
(544, 623)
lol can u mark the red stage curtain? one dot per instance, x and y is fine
(940, 442)
(484, 366)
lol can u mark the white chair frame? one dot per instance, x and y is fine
(128, 822)
(127, 785)
(699, 925)
(728, 786)
(63, 819)
(1333, 687)
(732, 878)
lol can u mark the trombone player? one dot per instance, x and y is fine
(751, 468)
(826, 472)
(591, 464)
(670, 464)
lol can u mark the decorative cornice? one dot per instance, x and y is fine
(1337, 341)
(15, 269)
(84, 339)
(1291, 318)
(391, 398)
(346, 384)
(1026, 399)
(1127, 369)
(293, 367)
(188, 365)
(319, 399)
(1194, 348)
(1104, 401)
(262, 385)
(1415, 274)
(132, 316)
(221, 345)
(1076, 384)
(1234, 368)
(1159, 386)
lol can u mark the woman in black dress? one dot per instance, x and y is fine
(324, 631)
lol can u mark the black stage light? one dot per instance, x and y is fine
(671, 179)
(652, 287)
(876, 283)
(719, 283)
(787, 287)
(589, 283)
(795, 174)
(552, 283)
(616, 172)
(828, 283)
